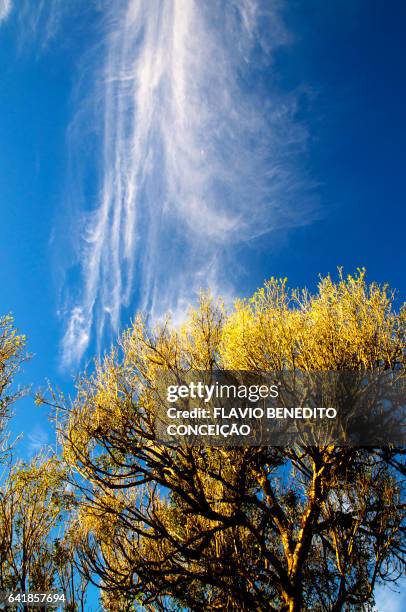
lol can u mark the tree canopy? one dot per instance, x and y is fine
(36, 551)
(255, 528)
(12, 355)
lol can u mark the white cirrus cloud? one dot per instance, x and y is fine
(389, 600)
(5, 9)
(41, 21)
(198, 154)
(38, 440)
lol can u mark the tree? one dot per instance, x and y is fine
(29, 511)
(35, 550)
(268, 528)
(12, 355)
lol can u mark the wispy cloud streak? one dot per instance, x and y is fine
(39, 22)
(199, 153)
(5, 9)
(389, 600)
(38, 440)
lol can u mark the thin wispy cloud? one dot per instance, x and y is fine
(389, 600)
(38, 440)
(5, 9)
(199, 153)
(40, 21)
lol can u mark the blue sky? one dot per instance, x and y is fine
(148, 149)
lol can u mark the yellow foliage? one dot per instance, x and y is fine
(168, 514)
